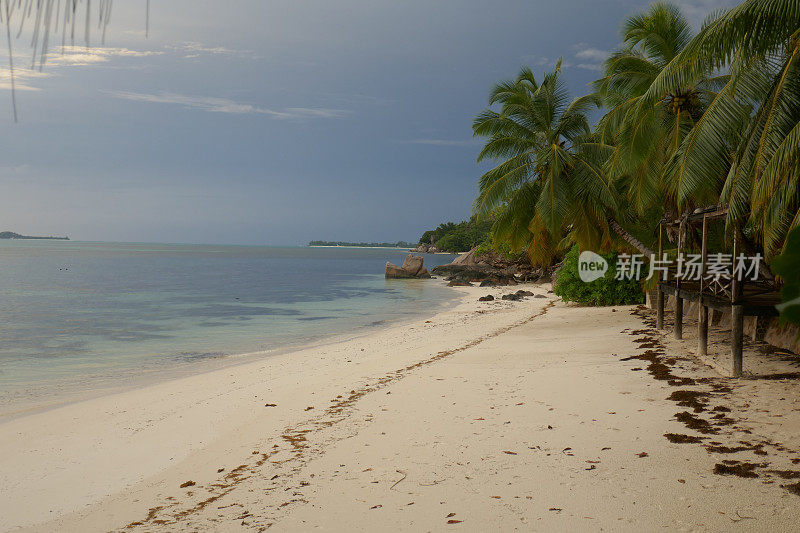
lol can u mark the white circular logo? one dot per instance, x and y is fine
(591, 266)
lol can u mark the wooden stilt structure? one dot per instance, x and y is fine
(718, 294)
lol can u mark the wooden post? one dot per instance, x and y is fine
(678, 299)
(702, 330)
(737, 316)
(702, 319)
(736, 285)
(737, 334)
(660, 294)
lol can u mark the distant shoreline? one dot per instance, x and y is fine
(381, 248)
(10, 235)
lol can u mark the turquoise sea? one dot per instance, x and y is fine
(80, 317)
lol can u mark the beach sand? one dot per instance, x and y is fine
(496, 415)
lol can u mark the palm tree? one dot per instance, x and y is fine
(749, 137)
(645, 137)
(549, 184)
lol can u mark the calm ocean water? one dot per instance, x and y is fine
(81, 316)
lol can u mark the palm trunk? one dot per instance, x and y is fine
(630, 239)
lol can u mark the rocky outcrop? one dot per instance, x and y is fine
(412, 264)
(395, 272)
(423, 248)
(491, 269)
(487, 276)
(412, 268)
(467, 258)
(513, 297)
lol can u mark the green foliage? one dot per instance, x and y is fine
(502, 249)
(604, 291)
(548, 177)
(787, 265)
(748, 139)
(461, 237)
(690, 120)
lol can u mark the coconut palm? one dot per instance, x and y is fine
(645, 137)
(549, 183)
(750, 134)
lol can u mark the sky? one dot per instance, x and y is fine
(274, 122)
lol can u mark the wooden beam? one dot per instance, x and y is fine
(737, 338)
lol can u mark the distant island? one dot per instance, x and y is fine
(12, 235)
(398, 244)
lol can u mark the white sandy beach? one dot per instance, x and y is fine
(490, 416)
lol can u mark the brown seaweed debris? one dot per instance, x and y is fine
(690, 398)
(786, 375)
(727, 449)
(740, 470)
(695, 423)
(722, 420)
(658, 369)
(677, 438)
(794, 488)
(785, 474)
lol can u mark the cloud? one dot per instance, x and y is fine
(224, 105)
(82, 56)
(69, 56)
(592, 54)
(589, 58)
(589, 66)
(697, 10)
(22, 77)
(538, 61)
(442, 142)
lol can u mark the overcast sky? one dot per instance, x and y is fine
(276, 122)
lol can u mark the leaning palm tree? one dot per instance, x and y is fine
(549, 184)
(749, 137)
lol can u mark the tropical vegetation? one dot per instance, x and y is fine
(687, 120)
(607, 290)
(459, 237)
(787, 265)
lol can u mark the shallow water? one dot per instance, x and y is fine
(78, 316)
